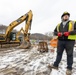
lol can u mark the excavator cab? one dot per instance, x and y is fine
(13, 36)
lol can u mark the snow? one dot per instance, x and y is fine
(32, 62)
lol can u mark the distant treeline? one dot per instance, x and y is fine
(4, 27)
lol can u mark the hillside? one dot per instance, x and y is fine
(39, 36)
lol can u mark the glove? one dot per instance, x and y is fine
(59, 34)
(66, 33)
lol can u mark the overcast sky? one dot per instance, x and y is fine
(46, 13)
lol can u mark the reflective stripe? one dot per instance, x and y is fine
(71, 26)
(58, 27)
(72, 37)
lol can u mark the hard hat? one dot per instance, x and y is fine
(65, 13)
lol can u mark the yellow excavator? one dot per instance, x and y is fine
(18, 34)
(6, 38)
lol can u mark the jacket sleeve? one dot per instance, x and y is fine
(74, 31)
(55, 31)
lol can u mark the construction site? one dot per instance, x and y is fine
(39, 46)
(24, 57)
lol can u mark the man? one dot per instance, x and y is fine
(66, 32)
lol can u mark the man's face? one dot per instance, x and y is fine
(65, 17)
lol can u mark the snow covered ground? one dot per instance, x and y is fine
(31, 62)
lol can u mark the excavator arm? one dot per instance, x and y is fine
(18, 33)
(27, 17)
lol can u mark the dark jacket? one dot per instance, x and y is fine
(65, 29)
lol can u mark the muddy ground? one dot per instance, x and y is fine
(14, 61)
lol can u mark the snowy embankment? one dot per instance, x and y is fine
(31, 62)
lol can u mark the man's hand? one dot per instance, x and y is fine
(59, 34)
(66, 33)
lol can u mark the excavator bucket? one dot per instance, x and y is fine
(43, 47)
(26, 42)
(25, 45)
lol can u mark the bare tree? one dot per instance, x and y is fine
(50, 34)
(3, 29)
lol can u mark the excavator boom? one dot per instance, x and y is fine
(19, 21)
(18, 33)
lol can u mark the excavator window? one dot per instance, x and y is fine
(13, 36)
